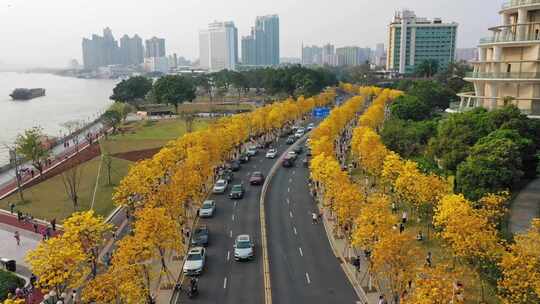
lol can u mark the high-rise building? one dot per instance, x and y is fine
(311, 55)
(352, 55)
(218, 46)
(155, 47)
(508, 62)
(380, 55)
(467, 54)
(100, 51)
(261, 47)
(412, 40)
(131, 50)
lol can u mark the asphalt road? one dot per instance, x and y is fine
(225, 280)
(303, 267)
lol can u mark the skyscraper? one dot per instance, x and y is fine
(413, 40)
(155, 47)
(100, 50)
(261, 47)
(131, 50)
(311, 55)
(218, 46)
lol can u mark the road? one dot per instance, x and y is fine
(303, 267)
(225, 280)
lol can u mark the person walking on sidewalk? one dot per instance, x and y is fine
(17, 238)
(12, 207)
(53, 224)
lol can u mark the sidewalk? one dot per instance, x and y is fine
(525, 207)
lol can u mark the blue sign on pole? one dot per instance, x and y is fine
(321, 112)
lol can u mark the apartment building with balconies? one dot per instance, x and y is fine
(508, 66)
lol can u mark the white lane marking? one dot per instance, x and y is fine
(230, 233)
(290, 180)
(300, 249)
(247, 174)
(261, 160)
(288, 201)
(288, 189)
(228, 255)
(293, 172)
(235, 202)
(307, 278)
(254, 166)
(233, 217)
(295, 232)
(225, 283)
(290, 214)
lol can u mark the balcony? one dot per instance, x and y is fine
(469, 101)
(523, 32)
(513, 3)
(504, 76)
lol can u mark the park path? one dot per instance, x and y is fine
(525, 207)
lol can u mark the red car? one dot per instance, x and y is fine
(257, 178)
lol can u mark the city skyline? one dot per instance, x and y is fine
(361, 23)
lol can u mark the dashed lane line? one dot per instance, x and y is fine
(290, 214)
(301, 253)
(225, 283)
(295, 232)
(307, 278)
(230, 233)
(228, 255)
(233, 217)
(288, 201)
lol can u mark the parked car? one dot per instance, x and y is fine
(237, 192)
(292, 155)
(272, 153)
(287, 162)
(290, 140)
(221, 186)
(200, 236)
(207, 209)
(227, 175)
(235, 165)
(195, 260)
(252, 151)
(298, 150)
(257, 178)
(243, 248)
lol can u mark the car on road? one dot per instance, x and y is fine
(235, 165)
(207, 209)
(244, 158)
(300, 132)
(306, 162)
(298, 150)
(220, 187)
(252, 151)
(287, 162)
(257, 178)
(243, 248)
(292, 155)
(272, 153)
(200, 236)
(237, 192)
(290, 140)
(227, 175)
(195, 260)
(310, 126)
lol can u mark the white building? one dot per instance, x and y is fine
(218, 47)
(156, 64)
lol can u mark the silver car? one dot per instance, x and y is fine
(195, 260)
(207, 209)
(272, 153)
(243, 248)
(220, 186)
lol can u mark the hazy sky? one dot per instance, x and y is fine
(49, 32)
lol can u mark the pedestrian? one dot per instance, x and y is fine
(32, 173)
(12, 207)
(394, 207)
(17, 238)
(53, 224)
(35, 227)
(74, 296)
(19, 215)
(33, 279)
(401, 227)
(404, 217)
(314, 218)
(48, 232)
(43, 234)
(429, 261)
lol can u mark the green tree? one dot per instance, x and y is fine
(132, 89)
(407, 138)
(494, 165)
(174, 90)
(427, 68)
(410, 107)
(31, 146)
(112, 119)
(432, 93)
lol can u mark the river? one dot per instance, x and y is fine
(66, 99)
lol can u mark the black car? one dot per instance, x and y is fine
(288, 162)
(237, 192)
(298, 150)
(308, 152)
(200, 236)
(290, 140)
(244, 158)
(227, 175)
(235, 165)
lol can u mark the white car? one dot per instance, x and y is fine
(272, 153)
(220, 186)
(207, 209)
(195, 260)
(243, 248)
(300, 132)
(252, 151)
(311, 126)
(292, 154)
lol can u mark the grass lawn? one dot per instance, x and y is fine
(48, 199)
(143, 135)
(8, 283)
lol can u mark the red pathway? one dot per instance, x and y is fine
(11, 220)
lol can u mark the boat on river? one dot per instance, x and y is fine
(27, 94)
